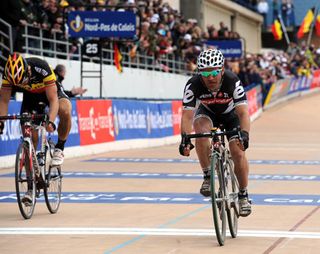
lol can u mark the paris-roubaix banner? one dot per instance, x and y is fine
(229, 48)
(102, 24)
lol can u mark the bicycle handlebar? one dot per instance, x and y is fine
(25, 117)
(213, 133)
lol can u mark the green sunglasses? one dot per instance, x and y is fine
(213, 73)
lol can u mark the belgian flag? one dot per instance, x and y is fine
(276, 29)
(306, 23)
(317, 25)
(117, 57)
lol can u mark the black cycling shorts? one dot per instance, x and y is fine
(229, 121)
(31, 101)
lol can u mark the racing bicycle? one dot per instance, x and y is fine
(33, 172)
(224, 185)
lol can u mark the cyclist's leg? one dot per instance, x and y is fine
(241, 165)
(64, 127)
(203, 123)
(64, 113)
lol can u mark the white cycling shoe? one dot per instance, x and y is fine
(57, 158)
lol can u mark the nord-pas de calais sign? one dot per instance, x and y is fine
(229, 48)
(102, 24)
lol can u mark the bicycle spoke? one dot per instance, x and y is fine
(52, 188)
(218, 200)
(25, 184)
(233, 205)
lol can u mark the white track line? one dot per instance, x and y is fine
(152, 232)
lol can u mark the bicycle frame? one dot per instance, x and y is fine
(224, 202)
(31, 171)
(27, 129)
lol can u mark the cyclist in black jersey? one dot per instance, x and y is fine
(36, 79)
(213, 97)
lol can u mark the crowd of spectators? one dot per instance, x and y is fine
(267, 68)
(164, 31)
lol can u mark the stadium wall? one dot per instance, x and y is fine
(131, 83)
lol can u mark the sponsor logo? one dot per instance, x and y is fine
(188, 95)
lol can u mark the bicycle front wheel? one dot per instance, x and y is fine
(232, 186)
(25, 181)
(52, 189)
(218, 199)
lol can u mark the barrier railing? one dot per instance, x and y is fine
(6, 43)
(40, 42)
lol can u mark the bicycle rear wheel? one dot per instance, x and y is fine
(52, 189)
(218, 199)
(25, 181)
(232, 186)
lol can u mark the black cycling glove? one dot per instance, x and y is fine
(1, 127)
(52, 124)
(184, 143)
(245, 139)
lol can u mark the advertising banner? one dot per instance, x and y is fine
(300, 84)
(315, 80)
(102, 24)
(10, 138)
(139, 119)
(254, 97)
(176, 116)
(280, 89)
(229, 48)
(95, 121)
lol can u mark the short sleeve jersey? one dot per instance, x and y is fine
(230, 94)
(42, 77)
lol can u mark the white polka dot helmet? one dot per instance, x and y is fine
(210, 58)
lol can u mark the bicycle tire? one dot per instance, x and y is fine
(24, 181)
(233, 188)
(217, 199)
(52, 189)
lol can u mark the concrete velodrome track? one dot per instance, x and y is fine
(147, 201)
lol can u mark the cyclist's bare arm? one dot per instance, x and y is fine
(186, 127)
(5, 95)
(52, 97)
(186, 121)
(244, 117)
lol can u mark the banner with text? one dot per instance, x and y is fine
(10, 138)
(176, 116)
(102, 24)
(95, 121)
(140, 119)
(229, 48)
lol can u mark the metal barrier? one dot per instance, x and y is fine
(41, 42)
(6, 43)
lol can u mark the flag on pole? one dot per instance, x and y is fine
(117, 57)
(276, 29)
(306, 23)
(317, 25)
